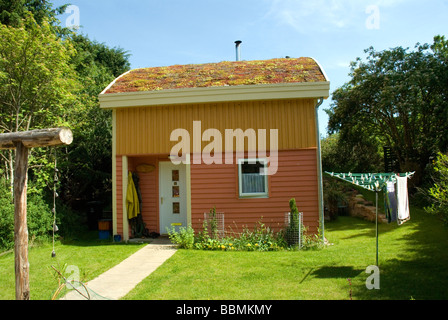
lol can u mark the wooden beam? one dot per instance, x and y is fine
(22, 265)
(37, 138)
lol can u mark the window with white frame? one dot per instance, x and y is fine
(253, 182)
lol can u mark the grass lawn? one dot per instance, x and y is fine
(91, 256)
(412, 258)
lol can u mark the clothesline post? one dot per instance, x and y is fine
(377, 234)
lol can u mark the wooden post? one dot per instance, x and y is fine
(22, 265)
(22, 141)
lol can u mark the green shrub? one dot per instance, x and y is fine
(438, 193)
(184, 237)
(260, 238)
(293, 229)
(213, 224)
(70, 223)
(39, 218)
(6, 220)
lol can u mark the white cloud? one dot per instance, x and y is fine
(324, 15)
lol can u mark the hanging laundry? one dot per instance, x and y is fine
(136, 180)
(136, 222)
(403, 214)
(132, 201)
(390, 202)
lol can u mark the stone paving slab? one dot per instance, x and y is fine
(119, 280)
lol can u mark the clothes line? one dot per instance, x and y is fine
(396, 198)
(370, 181)
(393, 186)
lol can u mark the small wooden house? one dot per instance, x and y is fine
(241, 137)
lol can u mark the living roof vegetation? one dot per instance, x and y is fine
(233, 73)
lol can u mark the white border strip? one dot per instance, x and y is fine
(113, 82)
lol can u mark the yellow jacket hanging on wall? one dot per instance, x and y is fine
(132, 202)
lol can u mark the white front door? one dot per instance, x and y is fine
(173, 196)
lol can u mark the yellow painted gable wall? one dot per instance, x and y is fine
(147, 130)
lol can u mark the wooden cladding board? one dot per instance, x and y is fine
(147, 130)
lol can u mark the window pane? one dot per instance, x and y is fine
(252, 167)
(176, 192)
(175, 175)
(253, 183)
(252, 179)
(176, 207)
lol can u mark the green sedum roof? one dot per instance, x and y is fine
(236, 73)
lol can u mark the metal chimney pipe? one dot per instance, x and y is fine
(237, 47)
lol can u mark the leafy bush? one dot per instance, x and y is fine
(438, 193)
(213, 233)
(293, 229)
(39, 218)
(260, 238)
(310, 241)
(71, 223)
(335, 194)
(6, 219)
(184, 237)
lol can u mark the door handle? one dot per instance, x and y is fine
(161, 200)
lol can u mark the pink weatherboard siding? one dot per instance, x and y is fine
(216, 185)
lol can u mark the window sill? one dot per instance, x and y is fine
(254, 196)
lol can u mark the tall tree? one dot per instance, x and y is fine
(51, 76)
(87, 165)
(399, 97)
(37, 82)
(351, 154)
(12, 12)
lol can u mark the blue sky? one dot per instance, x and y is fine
(169, 32)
